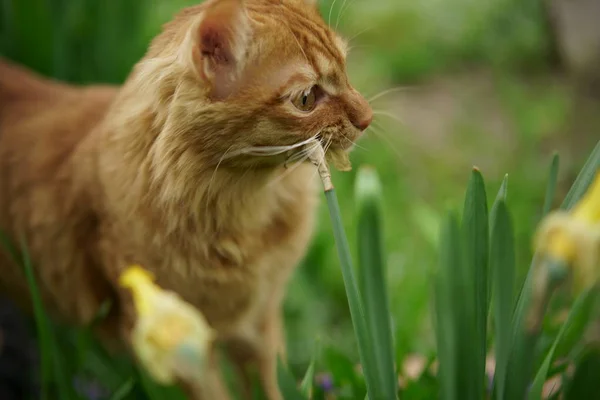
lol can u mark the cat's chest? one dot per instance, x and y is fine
(228, 275)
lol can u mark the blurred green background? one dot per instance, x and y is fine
(485, 83)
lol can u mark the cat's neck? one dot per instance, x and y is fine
(142, 173)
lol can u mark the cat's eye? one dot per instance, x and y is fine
(306, 101)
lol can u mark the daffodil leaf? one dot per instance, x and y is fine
(473, 272)
(584, 179)
(357, 313)
(156, 391)
(287, 384)
(122, 392)
(307, 382)
(372, 282)
(551, 187)
(584, 383)
(502, 267)
(447, 309)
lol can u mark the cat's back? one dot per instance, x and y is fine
(40, 106)
(42, 121)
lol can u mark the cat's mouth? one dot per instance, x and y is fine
(337, 153)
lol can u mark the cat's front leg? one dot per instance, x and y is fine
(255, 352)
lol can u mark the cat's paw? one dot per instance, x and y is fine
(170, 338)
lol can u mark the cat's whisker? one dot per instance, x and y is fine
(265, 151)
(388, 91)
(327, 145)
(337, 20)
(380, 133)
(354, 143)
(389, 115)
(342, 12)
(330, 11)
(360, 46)
(298, 43)
(300, 154)
(299, 159)
(359, 33)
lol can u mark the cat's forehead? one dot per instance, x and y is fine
(301, 24)
(315, 46)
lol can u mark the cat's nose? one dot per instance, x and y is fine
(359, 111)
(363, 122)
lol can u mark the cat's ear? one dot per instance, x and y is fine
(219, 44)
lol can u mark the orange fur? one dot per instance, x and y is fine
(97, 178)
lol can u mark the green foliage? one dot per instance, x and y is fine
(432, 35)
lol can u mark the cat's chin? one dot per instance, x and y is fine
(339, 158)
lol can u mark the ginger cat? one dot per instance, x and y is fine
(164, 172)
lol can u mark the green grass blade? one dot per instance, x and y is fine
(287, 383)
(155, 391)
(501, 196)
(447, 308)
(372, 281)
(584, 384)
(44, 338)
(124, 391)
(584, 179)
(354, 300)
(580, 312)
(551, 187)
(53, 368)
(502, 266)
(475, 236)
(10, 249)
(306, 385)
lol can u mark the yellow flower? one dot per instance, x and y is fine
(573, 238)
(170, 337)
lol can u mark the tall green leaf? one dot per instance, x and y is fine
(502, 267)
(372, 280)
(475, 236)
(584, 384)
(357, 314)
(501, 196)
(53, 369)
(306, 385)
(551, 186)
(287, 383)
(447, 308)
(584, 179)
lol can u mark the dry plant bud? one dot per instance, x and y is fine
(340, 159)
(170, 337)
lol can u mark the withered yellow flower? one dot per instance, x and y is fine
(171, 338)
(573, 238)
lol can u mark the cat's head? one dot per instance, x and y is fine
(264, 74)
